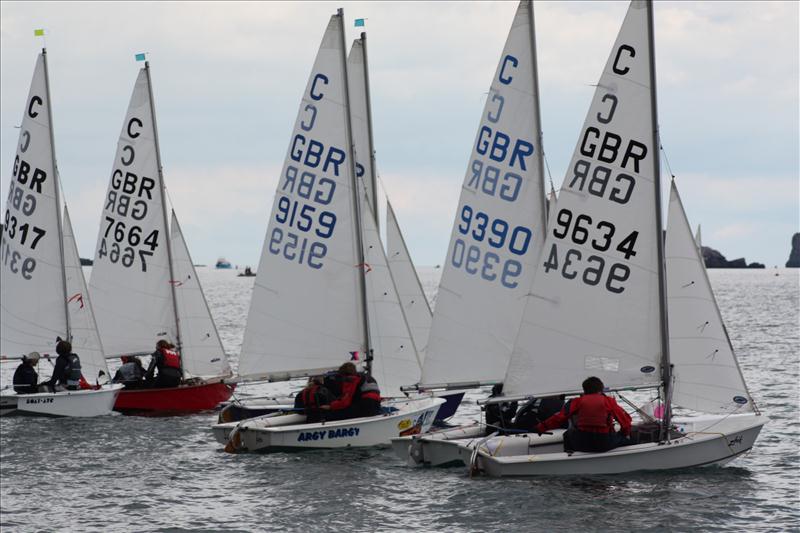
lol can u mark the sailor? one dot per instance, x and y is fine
(353, 400)
(591, 418)
(131, 373)
(168, 363)
(25, 376)
(499, 415)
(312, 397)
(67, 372)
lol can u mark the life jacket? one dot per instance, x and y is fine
(170, 359)
(72, 372)
(130, 372)
(367, 389)
(593, 414)
(309, 396)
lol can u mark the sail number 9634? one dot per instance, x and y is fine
(590, 268)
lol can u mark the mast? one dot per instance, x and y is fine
(373, 172)
(59, 220)
(666, 366)
(162, 190)
(539, 136)
(362, 282)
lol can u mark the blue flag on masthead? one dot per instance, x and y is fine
(140, 57)
(359, 23)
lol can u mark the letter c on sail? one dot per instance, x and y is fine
(133, 134)
(317, 78)
(506, 60)
(631, 53)
(35, 100)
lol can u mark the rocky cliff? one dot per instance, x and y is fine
(714, 259)
(794, 255)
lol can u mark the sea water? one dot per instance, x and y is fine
(124, 473)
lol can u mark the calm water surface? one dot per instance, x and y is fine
(120, 473)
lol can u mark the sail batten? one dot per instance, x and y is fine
(499, 228)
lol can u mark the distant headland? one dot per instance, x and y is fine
(794, 255)
(714, 259)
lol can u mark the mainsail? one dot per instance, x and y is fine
(201, 347)
(44, 293)
(707, 374)
(499, 227)
(594, 306)
(306, 306)
(33, 293)
(130, 281)
(357, 74)
(415, 304)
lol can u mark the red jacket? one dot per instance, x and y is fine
(350, 387)
(593, 413)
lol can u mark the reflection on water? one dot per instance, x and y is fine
(155, 474)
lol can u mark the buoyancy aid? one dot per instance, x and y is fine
(309, 396)
(594, 415)
(72, 372)
(368, 389)
(171, 359)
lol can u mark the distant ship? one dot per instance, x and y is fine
(223, 263)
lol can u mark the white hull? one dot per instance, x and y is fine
(707, 440)
(262, 434)
(79, 403)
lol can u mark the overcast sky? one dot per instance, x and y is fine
(228, 78)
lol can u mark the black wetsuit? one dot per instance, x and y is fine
(25, 379)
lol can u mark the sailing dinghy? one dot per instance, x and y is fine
(600, 298)
(44, 293)
(143, 281)
(323, 281)
(497, 235)
(400, 279)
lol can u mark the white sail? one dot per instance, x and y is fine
(499, 227)
(698, 238)
(397, 362)
(359, 110)
(305, 313)
(551, 208)
(415, 305)
(707, 375)
(202, 353)
(85, 338)
(130, 281)
(33, 292)
(593, 308)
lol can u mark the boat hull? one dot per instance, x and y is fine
(449, 407)
(183, 399)
(706, 441)
(79, 403)
(409, 417)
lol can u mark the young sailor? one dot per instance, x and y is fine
(67, 372)
(168, 363)
(359, 396)
(25, 376)
(591, 418)
(312, 397)
(131, 373)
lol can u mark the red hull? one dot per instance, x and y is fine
(183, 399)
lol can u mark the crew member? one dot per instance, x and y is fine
(359, 395)
(591, 419)
(131, 373)
(67, 372)
(25, 376)
(312, 397)
(168, 363)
